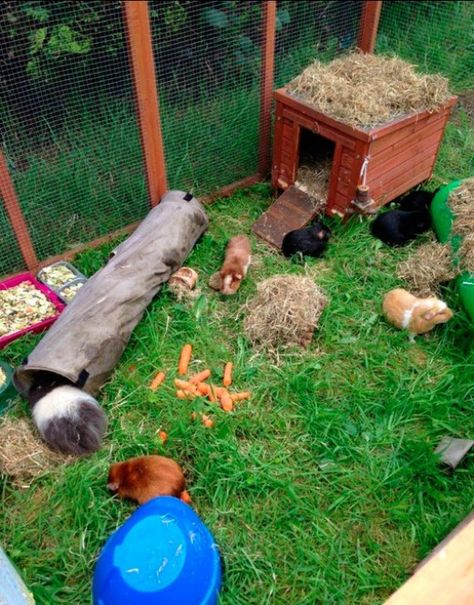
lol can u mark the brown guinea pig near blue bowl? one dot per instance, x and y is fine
(308, 241)
(146, 477)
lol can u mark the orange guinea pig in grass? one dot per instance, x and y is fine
(147, 477)
(236, 263)
(416, 315)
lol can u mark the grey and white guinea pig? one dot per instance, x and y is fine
(68, 419)
(416, 315)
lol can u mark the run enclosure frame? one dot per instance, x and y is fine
(142, 61)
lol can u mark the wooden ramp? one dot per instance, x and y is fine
(292, 210)
(446, 577)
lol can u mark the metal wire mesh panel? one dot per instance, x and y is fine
(67, 121)
(437, 36)
(10, 256)
(313, 29)
(207, 57)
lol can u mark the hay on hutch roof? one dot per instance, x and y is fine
(366, 90)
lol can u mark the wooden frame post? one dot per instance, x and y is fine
(140, 45)
(15, 214)
(266, 87)
(369, 23)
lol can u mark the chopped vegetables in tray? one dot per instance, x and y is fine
(70, 292)
(57, 275)
(23, 306)
(3, 378)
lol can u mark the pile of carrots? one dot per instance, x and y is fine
(196, 386)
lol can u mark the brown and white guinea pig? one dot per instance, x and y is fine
(147, 477)
(67, 418)
(236, 263)
(416, 315)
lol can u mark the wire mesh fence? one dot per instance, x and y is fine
(440, 34)
(309, 29)
(67, 122)
(207, 63)
(11, 259)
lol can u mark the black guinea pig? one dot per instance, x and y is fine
(399, 227)
(416, 201)
(309, 241)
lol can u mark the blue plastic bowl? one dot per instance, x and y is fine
(162, 555)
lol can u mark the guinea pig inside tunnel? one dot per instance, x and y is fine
(64, 372)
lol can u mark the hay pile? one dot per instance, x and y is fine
(429, 267)
(466, 253)
(313, 179)
(366, 90)
(285, 312)
(461, 203)
(23, 456)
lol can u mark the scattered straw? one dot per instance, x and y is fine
(466, 252)
(427, 268)
(23, 456)
(215, 281)
(313, 179)
(182, 293)
(285, 312)
(461, 202)
(366, 89)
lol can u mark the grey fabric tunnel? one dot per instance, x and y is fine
(87, 340)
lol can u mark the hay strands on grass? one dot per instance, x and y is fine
(285, 312)
(461, 203)
(23, 456)
(430, 266)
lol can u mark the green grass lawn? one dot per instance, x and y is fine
(323, 488)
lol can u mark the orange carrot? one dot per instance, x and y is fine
(163, 436)
(184, 359)
(240, 396)
(185, 497)
(207, 422)
(180, 394)
(226, 401)
(157, 380)
(185, 386)
(227, 381)
(203, 388)
(201, 377)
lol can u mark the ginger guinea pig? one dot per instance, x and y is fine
(416, 315)
(236, 263)
(147, 477)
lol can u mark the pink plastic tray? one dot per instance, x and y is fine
(39, 326)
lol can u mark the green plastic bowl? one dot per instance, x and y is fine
(7, 390)
(442, 219)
